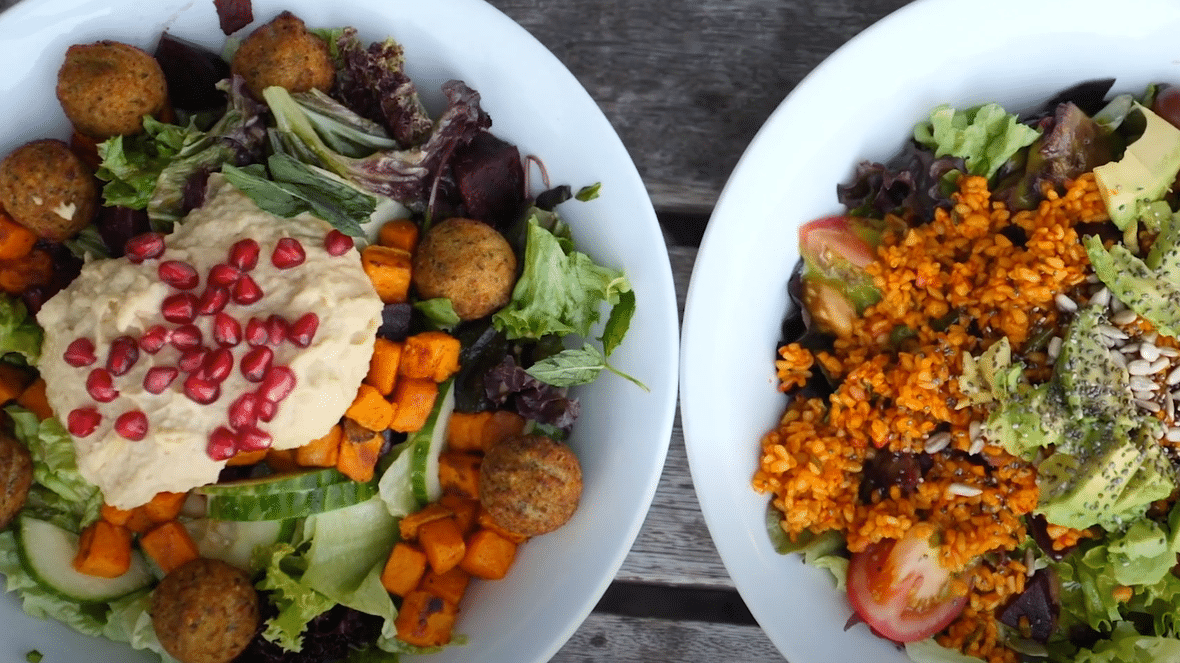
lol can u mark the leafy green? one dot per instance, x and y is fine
(394, 487)
(38, 601)
(1087, 588)
(440, 312)
(985, 137)
(348, 550)
(575, 366)
(19, 331)
(294, 188)
(588, 193)
(618, 322)
(296, 602)
(59, 493)
(1126, 645)
(1140, 555)
(929, 651)
(131, 622)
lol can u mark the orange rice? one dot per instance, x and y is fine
(958, 284)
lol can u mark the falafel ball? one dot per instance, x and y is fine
(284, 53)
(205, 611)
(106, 88)
(16, 475)
(468, 262)
(530, 484)
(46, 188)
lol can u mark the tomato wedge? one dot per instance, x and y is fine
(836, 287)
(901, 590)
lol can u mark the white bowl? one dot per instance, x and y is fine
(623, 434)
(860, 103)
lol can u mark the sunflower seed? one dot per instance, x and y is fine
(937, 442)
(1140, 383)
(1101, 298)
(1064, 303)
(1150, 406)
(1054, 348)
(1149, 351)
(1124, 317)
(963, 490)
(976, 446)
(1173, 377)
(1173, 434)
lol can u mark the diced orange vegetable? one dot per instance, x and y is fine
(431, 354)
(382, 374)
(164, 506)
(413, 399)
(458, 472)
(443, 544)
(281, 460)
(169, 545)
(502, 425)
(449, 586)
(408, 526)
(135, 520)
(321, 452)
(465, 430)
(20, 274)
(104, 550)
(249, 458)
(488, 555)
(389, 271)
(466, 511)
(360, 448)
(425, 620)
(13, 381)
(404, 569)
(370, 409)
(33, 399)
(399, 234)
(15, 240)
(486, 522)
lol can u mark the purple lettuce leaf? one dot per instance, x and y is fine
(372, 81)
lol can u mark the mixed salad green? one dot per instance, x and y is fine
(1101, 431)
(316, 542)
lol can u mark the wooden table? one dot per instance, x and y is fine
(686, 83)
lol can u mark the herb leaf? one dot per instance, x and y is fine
(575, 366)
(618, 322)
(296, 187)
(588, 193)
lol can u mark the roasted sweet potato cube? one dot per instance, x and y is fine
(485, 521)
(425, 620)
(322, 451)
(443, 544)
(281, 460)
(502, 425)
(465, 430)
(13, 381)
(169, 545)
(15, 240)
(135, 520)
(164, 506)
(251, 458)
(370, 409)
(450, 585)
(488, 556)
(404, 568)
(104, 550)
(458, 472)
(465, 510)
(399, 234)
(431, 355)
(389, 271)
(413, 399)
(383, 365)
(408, 526)
(33, 399)
(360, 448)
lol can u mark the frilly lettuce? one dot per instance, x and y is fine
(59, 493)
(929, 651)
(1126, 645)
(985, 136)
(19, 331)
(296, 602)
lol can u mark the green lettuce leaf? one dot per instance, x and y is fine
(131, 622)
(1126, 645)
(985, 137)
(929, 651)
(59, 493)
(19, 331)
(297, 603)
(1140, 556)
(1087, 588)
(348, 551)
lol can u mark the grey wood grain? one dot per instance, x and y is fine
(625, 640)
(687, 83)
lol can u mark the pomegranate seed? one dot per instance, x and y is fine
(222, 444)
(179, 275)
(224, 275)
(144, 247)
(244, 411)
(159, 378)
(227, 331)
(256, 363)
(266, 409)
(180, 308)
(244, 254)
(191, 360)
(288, 253)
(277, 384)
(303, 330)
(101, 386)
(132, 425)
(276, 329)
(200, 390)
(80, 352)
(246, 291)
(256, 333)
(218, 364)
(186, 337)
(213, 300)
(337, 243)
(154, 338)
(123, 355)
(82, 421)
(252, 438)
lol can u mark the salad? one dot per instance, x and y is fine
(300, 356)
(983, 358)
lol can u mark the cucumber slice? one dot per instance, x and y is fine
(47, 553)
(428, 444)
(277, 483)
(235, 542)
(253, 506)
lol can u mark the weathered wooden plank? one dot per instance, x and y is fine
(628, 640)
(687, 83)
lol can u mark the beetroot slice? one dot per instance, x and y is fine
(233, 14)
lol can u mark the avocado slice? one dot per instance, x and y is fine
(1152, 293)
(1083, 490)
(1145, 172)
(1092, 384)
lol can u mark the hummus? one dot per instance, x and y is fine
(120, 298)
